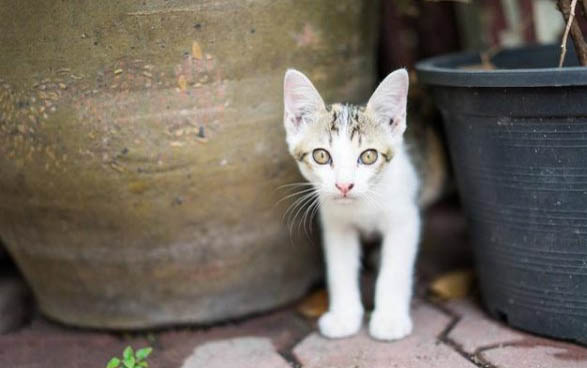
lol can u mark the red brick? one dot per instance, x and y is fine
(538, 353)
(45, 344)
(242, 352)
(421, 349)
(476, 330)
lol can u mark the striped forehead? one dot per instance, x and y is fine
(345, 119)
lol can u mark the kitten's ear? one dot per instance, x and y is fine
(389, 101)
(301, 101)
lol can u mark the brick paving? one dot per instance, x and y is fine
(450, 334)
(539, 356)
(475, 330)
(421, 349)
(245, 352)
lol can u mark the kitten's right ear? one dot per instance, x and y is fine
(388, 102)
(301, 101)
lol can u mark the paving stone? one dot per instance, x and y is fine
(505, 347)
(242, 352)
(44, 344)
(537, 353)
(32, 349)
(476, 329)
(284, 328)
(420, 349)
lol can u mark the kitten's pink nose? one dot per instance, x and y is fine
(344, 188)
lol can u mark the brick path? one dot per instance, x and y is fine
(449, 335)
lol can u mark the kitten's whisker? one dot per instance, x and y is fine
(315, 207)
(305, 217)
(307, 200)
(373, 201)
(375, 194)
(293, 206)
(297, 203)
(284, 186)
(306, 212)
(378, 205)
(370, 195)
(287, 216)
(379, 195)
(293, 194)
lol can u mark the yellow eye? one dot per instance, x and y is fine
(321, 156)
(368, 157)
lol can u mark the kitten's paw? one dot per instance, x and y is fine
(337, 325)
(389, 326)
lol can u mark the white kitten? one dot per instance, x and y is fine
(355, 158)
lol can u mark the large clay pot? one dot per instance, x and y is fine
(141, 144)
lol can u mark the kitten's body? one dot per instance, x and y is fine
(356, 160)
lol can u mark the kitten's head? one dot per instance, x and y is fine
(344, 149)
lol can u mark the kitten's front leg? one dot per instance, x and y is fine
(345, 313)
(391, 318)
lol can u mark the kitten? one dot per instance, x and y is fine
(359, 168)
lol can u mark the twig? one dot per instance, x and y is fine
(579, 42)
(576, 33)
(566, 34)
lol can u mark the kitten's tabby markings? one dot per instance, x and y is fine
(356, 161)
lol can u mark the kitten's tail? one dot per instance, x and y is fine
(435, 181)
(431, 161)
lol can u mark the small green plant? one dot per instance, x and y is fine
(131, 359)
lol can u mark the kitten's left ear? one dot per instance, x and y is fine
(389, 101)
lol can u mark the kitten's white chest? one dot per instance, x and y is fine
(363, 216)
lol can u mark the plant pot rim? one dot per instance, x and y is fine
(444, 70)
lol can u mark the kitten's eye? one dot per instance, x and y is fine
(321, 156)
(368, 157)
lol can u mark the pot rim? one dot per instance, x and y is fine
(443, 70)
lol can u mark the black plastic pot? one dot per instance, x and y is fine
(518, 142)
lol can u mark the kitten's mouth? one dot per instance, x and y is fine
(344, 200)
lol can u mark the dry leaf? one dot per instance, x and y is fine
(452, 285)
(182, 82)
(314, 305)
(196, 50)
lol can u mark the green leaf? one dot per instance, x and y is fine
(143, 353)
(143, 364)
(127, 353)
(113, 363)
(129, 362)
